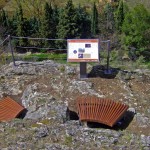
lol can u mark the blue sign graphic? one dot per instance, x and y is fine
(80, 55)
(75, 51)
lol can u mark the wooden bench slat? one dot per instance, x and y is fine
(9, 109)
(100, 110)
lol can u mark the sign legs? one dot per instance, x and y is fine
(83, 73)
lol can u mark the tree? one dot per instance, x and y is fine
(4, 18)
(120, 15)
(135, 27)
(34, 6)
(94, 21)
(84, 23)
(21, 30)
(67, 26)
(48, 25)
(4, 22)
(56, 19)
(33, 26)
(109, 21)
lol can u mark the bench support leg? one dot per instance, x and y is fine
(83, 123)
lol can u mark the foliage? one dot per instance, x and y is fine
(4, 18)
(120, 14)
(67, 27)
(47, 19)
(135, 27)
(133, 3)
(109, 20)
(84, 23)
(2, 59)
(47, 26)
(68, 140)
(21, 29)
(4, 22)
(33, 26)
(46, 56)
(94, 22)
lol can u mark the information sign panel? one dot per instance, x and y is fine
(83, 50)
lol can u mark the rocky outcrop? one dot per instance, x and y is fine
(46, 90)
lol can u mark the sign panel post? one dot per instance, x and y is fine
(108, 71)
(83, 73)
(83, 51)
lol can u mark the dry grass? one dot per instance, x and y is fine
(3, 3)
(133, 3)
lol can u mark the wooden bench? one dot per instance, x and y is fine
(9, 109)
(105, 111)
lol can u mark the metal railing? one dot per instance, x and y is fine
(9, 54)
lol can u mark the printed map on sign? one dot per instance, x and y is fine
(83, 50)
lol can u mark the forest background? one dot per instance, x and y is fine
(126, 23)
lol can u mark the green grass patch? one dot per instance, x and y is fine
(46, 56)
(68, 140)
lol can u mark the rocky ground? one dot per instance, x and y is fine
(48, 91)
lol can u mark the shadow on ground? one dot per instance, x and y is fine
(71, 115)
(103, 72)
(122, 124)
(22, 114)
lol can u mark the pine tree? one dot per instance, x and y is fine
(13, 24)
(84, 23)
(48, 25)
(109, 21)
(21, 30)
(4, 18)
(33, 26)
(120, 15)
(56, 20)
(94, 22)
(4, 22)
(67, 26)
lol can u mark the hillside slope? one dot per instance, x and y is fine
(37, 5)
(132, 3)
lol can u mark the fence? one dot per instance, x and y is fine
(5, 55)
(11, 52)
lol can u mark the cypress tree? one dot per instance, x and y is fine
(13, 24)
(84, 23)
(120, 15)
(109, 18)
(48, 26)
(4, 22)
(67, 26)
(33, 26)
(4, 18)
(55, 21)
(21, 29)
(94, 22)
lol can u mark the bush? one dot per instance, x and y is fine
(135, 27)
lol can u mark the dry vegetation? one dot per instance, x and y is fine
(3, 3)
(132, 3)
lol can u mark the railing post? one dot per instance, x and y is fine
(108, 54)
(108, 71)
(11, 49)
